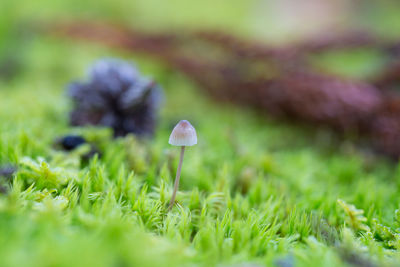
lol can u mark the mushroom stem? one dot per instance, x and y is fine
(178, 175)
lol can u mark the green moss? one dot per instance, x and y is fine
(253, 190)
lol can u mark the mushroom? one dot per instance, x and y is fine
(182, 135)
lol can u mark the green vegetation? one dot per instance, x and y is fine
(253, 190)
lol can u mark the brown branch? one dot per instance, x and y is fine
(274, 79)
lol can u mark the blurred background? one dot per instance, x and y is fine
(29, 54)
(267, 20)
(273, 22)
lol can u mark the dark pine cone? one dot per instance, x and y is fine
(117, 96)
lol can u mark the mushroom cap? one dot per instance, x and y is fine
(183, 134)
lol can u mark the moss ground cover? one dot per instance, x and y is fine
(253, 191)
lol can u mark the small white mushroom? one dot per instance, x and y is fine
(182, 135)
